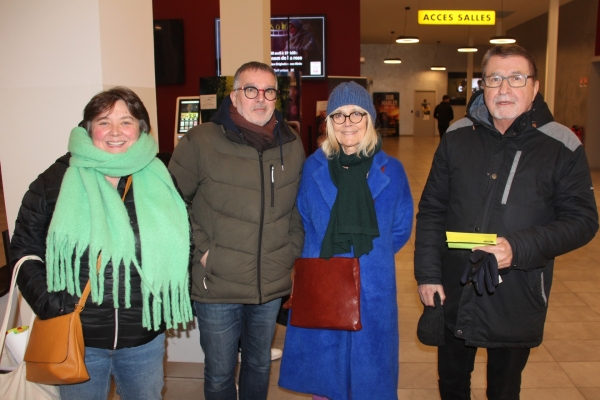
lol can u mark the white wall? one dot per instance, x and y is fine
(413, 74)
(55, 56)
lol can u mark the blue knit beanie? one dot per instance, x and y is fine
(351, 94)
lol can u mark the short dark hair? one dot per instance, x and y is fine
(252, 66)
(106, 100)
(445, 97)
(509, 50)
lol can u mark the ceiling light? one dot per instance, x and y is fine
(470, 48)
(403, 38)
(502, 39)
(387, 59)
(437, 67)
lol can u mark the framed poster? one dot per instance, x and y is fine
(387, 106)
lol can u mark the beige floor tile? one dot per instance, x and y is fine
(544, 375)
(407, 314)
(409, 299)
(565, 299)
(551, 394)
(573, 350)
(418, 394)
(540, 354)
(590, 393)
(277, 393)
(539, 394)
(591, 299)
(571, 314)
(184, 370)
(418, 376)
(416, 352)
(478, 377)
(572, 330)
(577, 273)
(582, 286)
(559, 287)
(408, 331)
(184, 389)
(583, 374)
(478, 394)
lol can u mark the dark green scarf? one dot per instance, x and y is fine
(353, 222)
(90, 215)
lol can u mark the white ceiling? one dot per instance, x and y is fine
(380, 17)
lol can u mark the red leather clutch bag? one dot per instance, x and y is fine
(326, 294)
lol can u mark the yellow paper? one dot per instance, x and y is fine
(463, 240)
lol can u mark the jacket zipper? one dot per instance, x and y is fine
(260, 227)
(489, 199)
(272, 186)
(116, 328)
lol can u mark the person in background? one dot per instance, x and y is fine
(240, 174)
(73, 217)
(355, 202)
(444, 114)
(509, 169)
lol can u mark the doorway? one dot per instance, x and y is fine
(424, 103)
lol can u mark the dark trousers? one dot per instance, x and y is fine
(442, 128)
(456, 363)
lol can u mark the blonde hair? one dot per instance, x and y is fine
(365, 148)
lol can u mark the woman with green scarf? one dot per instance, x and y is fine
(134, 250)
(355, 202)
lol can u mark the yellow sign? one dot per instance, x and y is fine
(457, 17)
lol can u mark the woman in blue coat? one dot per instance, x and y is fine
(355, 202)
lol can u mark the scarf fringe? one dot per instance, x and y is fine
(172, 306)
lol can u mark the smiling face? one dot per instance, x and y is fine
(506, 103)
(258, 110)
(114, 131)
(348, 134)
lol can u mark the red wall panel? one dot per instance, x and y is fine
(342, 52)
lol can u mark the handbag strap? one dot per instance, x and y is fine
(86, 291)
(13, 285)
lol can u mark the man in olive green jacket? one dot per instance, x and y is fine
(240, 174)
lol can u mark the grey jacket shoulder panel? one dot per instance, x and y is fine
(562, 134)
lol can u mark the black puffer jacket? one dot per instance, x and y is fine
(532, 186)
(103, 325)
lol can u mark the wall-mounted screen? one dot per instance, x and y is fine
(297, 44)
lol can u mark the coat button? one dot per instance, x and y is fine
(459, 332)
(494, 176)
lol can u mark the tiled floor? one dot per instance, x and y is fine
(565, 367)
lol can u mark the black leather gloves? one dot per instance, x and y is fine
(482, 270)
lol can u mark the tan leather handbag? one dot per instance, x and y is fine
(56, 352)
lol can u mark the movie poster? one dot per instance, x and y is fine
(387, 106)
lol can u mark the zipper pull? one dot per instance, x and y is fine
(272, 186)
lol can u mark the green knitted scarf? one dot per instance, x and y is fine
(90, 215)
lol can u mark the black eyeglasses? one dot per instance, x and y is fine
(354, 117)
(515, 81)
(251, 92)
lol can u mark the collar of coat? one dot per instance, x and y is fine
(538, 116)
(377, 179)
(232, 132)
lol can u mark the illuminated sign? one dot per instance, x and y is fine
(457, 17)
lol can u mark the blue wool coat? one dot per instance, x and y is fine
(358, 365)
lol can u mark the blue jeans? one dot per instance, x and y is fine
(221, 327)
(138, 373)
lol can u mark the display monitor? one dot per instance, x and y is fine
(187, 115)
(297, 44)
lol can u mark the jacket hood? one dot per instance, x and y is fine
(538, 116)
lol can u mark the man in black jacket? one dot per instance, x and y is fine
(509, 169)
(444, 114)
